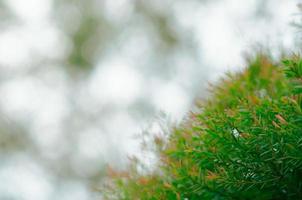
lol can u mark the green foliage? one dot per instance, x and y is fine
(293, 71)
(245, 142)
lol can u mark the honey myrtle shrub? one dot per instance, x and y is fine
(245, 142)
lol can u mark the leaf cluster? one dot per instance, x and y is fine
(245, 142)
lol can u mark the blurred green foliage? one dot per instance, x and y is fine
(245, 142)
(6, 15)
(88, 30)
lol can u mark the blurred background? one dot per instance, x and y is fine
(81, 79)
